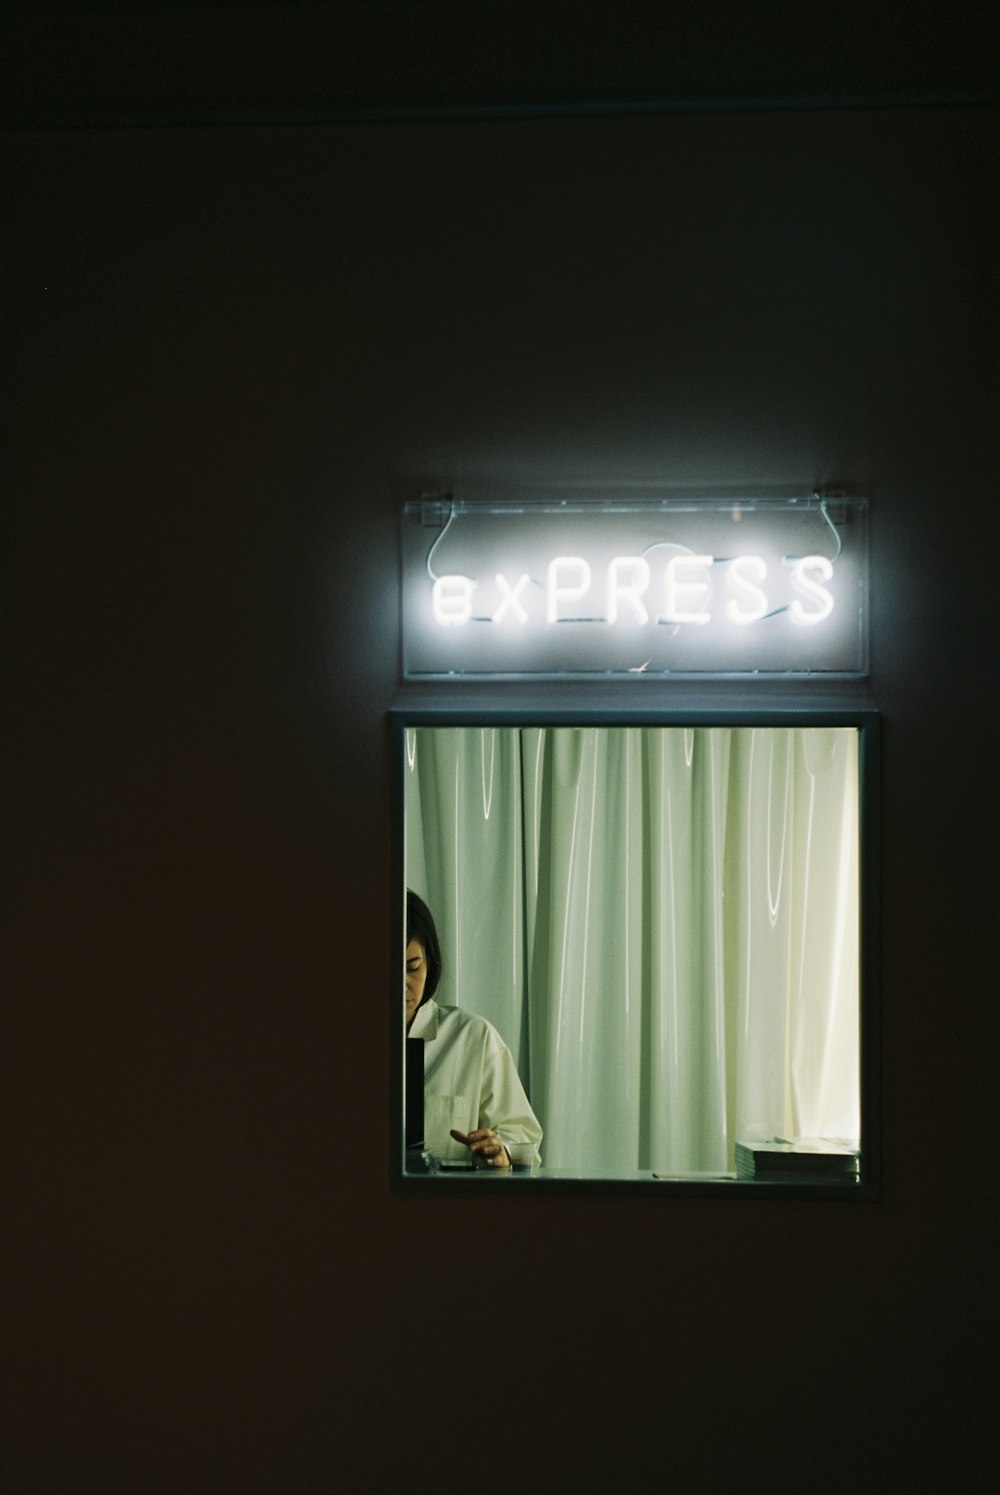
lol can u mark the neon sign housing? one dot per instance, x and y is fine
(644, 587)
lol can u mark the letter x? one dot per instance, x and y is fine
(511, 597)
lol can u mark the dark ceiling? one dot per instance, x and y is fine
(163, 62)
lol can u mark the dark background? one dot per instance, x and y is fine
(266, 269)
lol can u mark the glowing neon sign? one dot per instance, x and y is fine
(452, 596)
(660, 587)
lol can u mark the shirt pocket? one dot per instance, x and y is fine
(441, 1113)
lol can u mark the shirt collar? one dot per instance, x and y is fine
(425, 1023)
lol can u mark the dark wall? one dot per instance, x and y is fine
(230, 354)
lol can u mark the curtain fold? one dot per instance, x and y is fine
(661, 922)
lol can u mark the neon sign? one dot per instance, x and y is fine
(452, 596)
(654, 587)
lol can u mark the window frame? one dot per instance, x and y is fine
(867, 722)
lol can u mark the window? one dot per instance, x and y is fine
(669, 919)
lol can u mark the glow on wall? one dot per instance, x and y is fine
(641, 588)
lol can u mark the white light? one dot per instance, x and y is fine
(633, 584)
(453, 599)
(557, 592)
(803, 583)
(745, 571)
(675, 584)
(511, 597)
(637, 567)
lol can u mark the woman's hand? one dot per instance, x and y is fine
(485, 1146)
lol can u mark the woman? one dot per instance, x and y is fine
(474, 1101)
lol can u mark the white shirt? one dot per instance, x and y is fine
(470, 1081)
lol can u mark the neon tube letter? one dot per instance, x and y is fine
(511, 598)
(453, 599)
(557, 592)
(629, 591)
(803, 583)
(676, 584)
(745, 571)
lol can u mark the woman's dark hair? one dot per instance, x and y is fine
(420, 927)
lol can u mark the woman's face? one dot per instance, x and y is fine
(416, 977)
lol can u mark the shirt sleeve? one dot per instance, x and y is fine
(503, 1104)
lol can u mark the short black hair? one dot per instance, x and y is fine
(420, 927)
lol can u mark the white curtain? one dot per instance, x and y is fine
(662, 922)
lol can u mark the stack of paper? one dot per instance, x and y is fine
(804, 1160)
